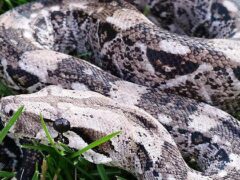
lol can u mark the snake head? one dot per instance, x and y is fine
(66, 113)
(82, 117)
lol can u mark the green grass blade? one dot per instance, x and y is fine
(85, 55)
(80, 169)
(66, 148)
(4, 174)
(48, 135)
(51, 165)
(102, 172)
(146, 11)
(4, 90)
(85, 173)
(95, 144)
(11, 122)
(9, 3)
(50, 139)
(66, 170)
(80, 161)
(108, 172)
(36, 173)
(39, 147)
(56, 175)
(120, 178)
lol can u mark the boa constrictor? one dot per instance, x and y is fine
(160, 83)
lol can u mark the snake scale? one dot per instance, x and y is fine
(168, 81)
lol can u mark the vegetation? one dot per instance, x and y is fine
(8, 4)
(62, 162)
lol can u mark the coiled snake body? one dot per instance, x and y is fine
(160, 84)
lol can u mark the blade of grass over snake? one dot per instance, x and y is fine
(94, 144)
(11, 122)
(50, 139)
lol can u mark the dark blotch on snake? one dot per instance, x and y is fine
(22, 77)
(108, 30)
(220, 9)
(175, 62)
(198, 138)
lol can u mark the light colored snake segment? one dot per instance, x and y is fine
(210, 19)
(130, 47)
(144, 147)
(134, 49)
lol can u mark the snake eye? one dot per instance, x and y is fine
(61, 125)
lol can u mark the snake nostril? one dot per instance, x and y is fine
(61, 125)
(10, 113)
(1, 124)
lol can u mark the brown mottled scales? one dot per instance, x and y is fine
(156, 82)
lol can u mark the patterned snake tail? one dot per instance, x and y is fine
(134, 49)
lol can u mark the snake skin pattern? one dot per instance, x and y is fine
(153, 73)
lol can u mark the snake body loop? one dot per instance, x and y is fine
(169, 69)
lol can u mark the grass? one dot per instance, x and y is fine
(5, 5)
(4, 132)
(62, 162)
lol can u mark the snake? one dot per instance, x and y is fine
(165, 73)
